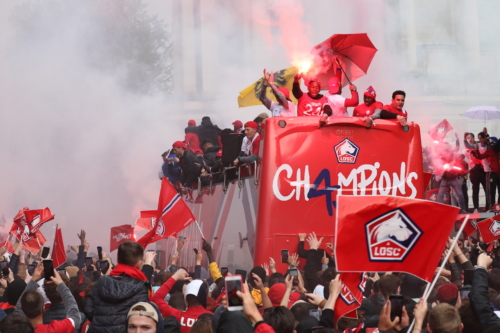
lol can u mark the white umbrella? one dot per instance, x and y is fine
(482, 112)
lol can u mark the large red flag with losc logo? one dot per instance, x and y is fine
(489, 229)
(173, 215)
(388, 233)
(119, 235)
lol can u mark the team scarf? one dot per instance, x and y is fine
(133, 272)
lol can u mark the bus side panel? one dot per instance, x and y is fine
(304, 168)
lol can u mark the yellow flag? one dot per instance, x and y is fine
(250, 95)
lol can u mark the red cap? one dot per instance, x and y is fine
(285, 92)
(251, 124)
(238, 123)
(219, 153)
(179, 144)
(333, 85)
(198, 152)
(446, 292)
(276, 293)
(191, 123)
(370, 92)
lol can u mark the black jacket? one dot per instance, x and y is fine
(210, 157)
(109, 301)
(208, 131)
(190, 167)
(480, 302)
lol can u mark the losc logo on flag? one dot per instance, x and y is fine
(391, 237)
(346, 151)
(494, 228)
(346, 295)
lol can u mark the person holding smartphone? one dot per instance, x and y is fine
(31, 305)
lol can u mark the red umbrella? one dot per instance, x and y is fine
(356, 52)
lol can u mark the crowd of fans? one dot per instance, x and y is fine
(200, 154)
(137, 295)
(452, 168)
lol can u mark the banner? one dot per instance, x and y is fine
(489, 229)
(119, 235)
(58, 251)
(470, 227)
(173, 215)
(391, 234)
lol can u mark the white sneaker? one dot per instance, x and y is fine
(475, 211)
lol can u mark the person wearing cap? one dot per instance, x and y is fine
(367, 108)
(195, 296)
(284, 107)
(250, 147)
(237, 126)
(313, 103)
(448, 293)
(144, 317)
(191, 138)
(337, 102)
(188, 162)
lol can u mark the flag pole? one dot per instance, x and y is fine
(201, 232)
(429, 289)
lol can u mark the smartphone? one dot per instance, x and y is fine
(295, 273)
(45, 252)
(5, 272)
(397, 302)
(48, 269)
(99, 252)
(233, 284)
(284, 256)
(31, 269)
(224, 271)
(243, 274)
(314, 313)
(195, 251)
(468, 276)
(88, 261)
(4, 264)
(464, 292)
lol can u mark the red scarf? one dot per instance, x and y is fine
(6, 305)
(122, 269)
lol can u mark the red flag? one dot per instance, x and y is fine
(356, 283)
(37, 217)
(32, 241)
(147, 220)
(58, 252)
(391, 234)
(173, 215)
(346, 303)
(470, 227)
(119, 235)
(439, 131)
(489, 229)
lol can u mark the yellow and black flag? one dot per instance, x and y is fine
(250, 95)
